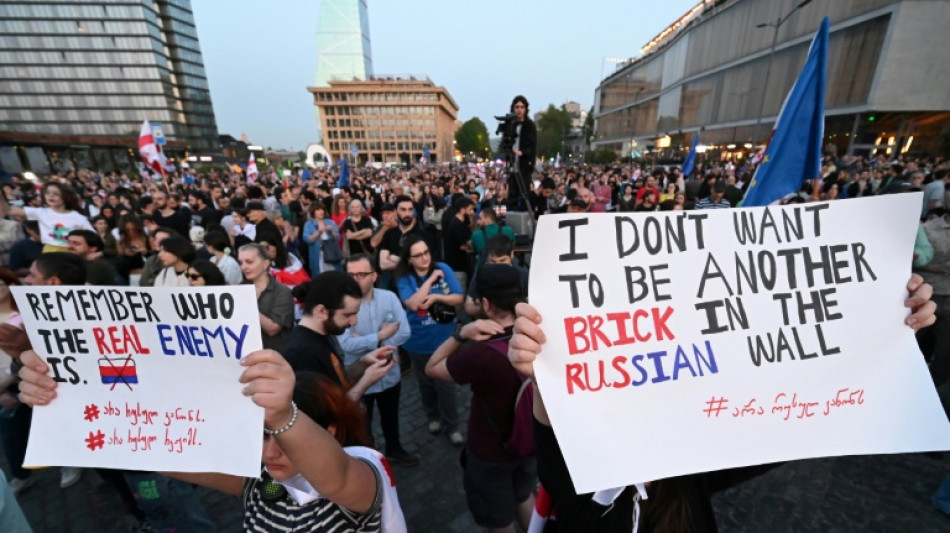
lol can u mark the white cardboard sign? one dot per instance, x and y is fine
(691, 341)
(147, 378)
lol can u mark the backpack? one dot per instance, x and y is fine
(520, 442)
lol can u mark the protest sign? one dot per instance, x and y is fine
(147, 378)
(690, 341)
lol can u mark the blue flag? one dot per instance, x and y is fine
(793, 154)
(690, 162)
(344, 180)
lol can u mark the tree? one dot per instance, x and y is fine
(553, 124)
(473, 137)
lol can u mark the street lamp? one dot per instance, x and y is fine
(768, 69)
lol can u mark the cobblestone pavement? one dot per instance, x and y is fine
(862, 494)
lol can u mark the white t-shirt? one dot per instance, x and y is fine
(55, 226)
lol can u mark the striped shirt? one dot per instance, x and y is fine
(262, 515)
(707, 203)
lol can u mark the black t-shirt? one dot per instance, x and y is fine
(176, 221)
(454, 236)
(309, 351)
(394, 238)
(358, 246)
(539, 204)
(580, 513)
(208, 217)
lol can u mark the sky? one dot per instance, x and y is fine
(260, 57)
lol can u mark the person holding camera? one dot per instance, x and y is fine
(524, 150)
(430, 291)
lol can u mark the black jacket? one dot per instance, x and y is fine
(528, 144)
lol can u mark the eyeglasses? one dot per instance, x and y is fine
(419, 255)
(361, 275)
(192, 276)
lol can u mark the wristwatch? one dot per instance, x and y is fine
(457, 333)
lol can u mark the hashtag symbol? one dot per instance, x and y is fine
(91, 412)
(715, 406)
(95, 440)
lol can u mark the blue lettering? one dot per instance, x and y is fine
(163, 339)
(198, 341)
(216, 333)
(635, 361)
(239, 339)
(710, 363)
(660, 376)
(682, 361)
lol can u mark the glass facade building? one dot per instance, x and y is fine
(343, 46)
(87, 73)
(707, 73)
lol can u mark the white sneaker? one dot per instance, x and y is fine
(69, 476)
(18, 485)
(456, 438)
(435, 427)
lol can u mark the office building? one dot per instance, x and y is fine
(886, 87)
(78, 78)
(387, 119)
(343, 45)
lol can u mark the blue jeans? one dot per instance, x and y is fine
(170, 506)
(439, 398)
(12, 519)
(14, 432)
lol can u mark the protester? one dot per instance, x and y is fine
(381, 321)
(676, 504)
(219, 246)
(56, 220)
(429, 290)
(204, 273)
(357, 230)
(498, 480)
(275, 303)
(174, 253)
(313, 458)
(316, 231)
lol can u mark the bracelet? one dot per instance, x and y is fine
(457, 333)
(293, 419)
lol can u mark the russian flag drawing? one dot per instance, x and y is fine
(113, 371)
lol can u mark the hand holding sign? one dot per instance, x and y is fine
(147, 378)
(734, 322)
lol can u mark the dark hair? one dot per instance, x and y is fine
(355, 258)
(198, 195)
(209, 271)
(167, 231)
(93, 240)
(71, 200)
(180, 247)
(548, 183)
(521, 99)
(318, 397)
(69, 268)
(328, 290)
(404, 267)
(403, 198)
(282, 259)
(219, 241)
(489, 213)
(499, 245)
(461, 203)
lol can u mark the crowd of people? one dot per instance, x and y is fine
(360, 277)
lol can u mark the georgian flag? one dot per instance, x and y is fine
(251, 170)
(151, 152)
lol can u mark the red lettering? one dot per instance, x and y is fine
(114, 339)
(100, 337)
(573, 335)
(602, 383)
(640, 313)
(595, 334)
(574, 377)
(622, 337)
(659, 323)
(619, 363)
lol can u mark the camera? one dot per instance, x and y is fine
(508, 129)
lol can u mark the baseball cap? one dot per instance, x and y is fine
(498, 281)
